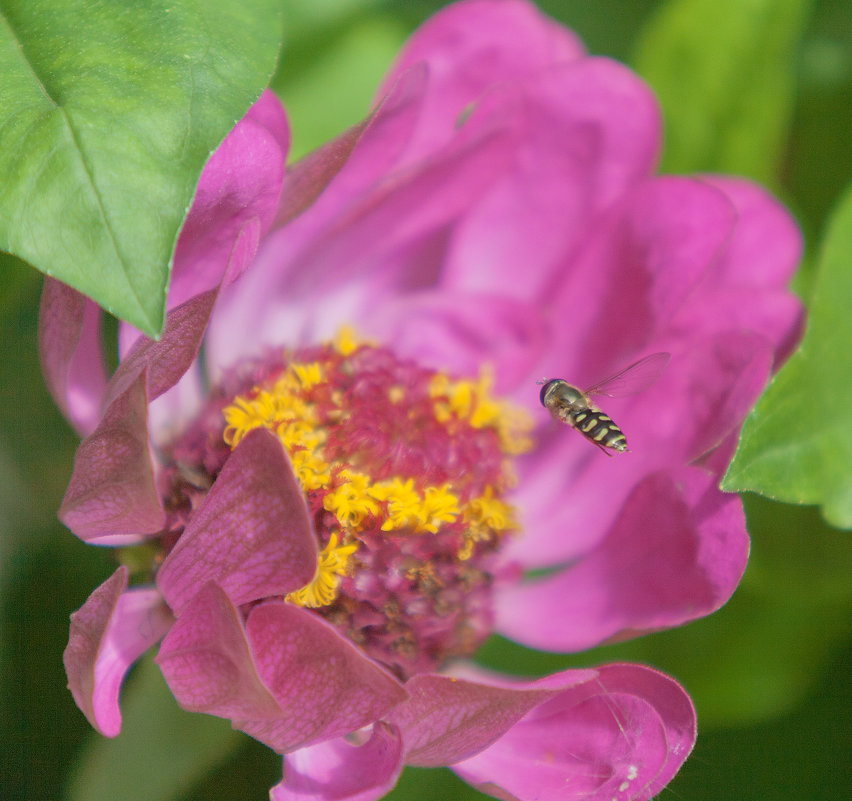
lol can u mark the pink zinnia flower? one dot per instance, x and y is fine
(341, 494)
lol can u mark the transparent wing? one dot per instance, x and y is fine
(634, 378)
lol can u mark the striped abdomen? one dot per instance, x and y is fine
(599, 428)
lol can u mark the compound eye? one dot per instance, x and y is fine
(544, 389)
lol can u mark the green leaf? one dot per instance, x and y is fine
(161, 751)
(724, 73)
(796, 445)
(109, 112)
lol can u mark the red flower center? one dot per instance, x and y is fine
(404, 470)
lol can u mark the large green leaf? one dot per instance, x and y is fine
(724, 73)
(796, 445)
(109, 112)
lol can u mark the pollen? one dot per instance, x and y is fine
(408, 466)
(332, 563)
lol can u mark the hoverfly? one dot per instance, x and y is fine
(573, 406)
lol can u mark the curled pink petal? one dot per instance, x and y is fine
(112, 497)
(766, 248)
(165, 360)
(251, 535)
(238, 190)
(71, 353)
(447, 719)
(206, 661)
(622, 733)
(676, 552)
(340, 770)
(287, 678)
(326, 686)
(108, 634)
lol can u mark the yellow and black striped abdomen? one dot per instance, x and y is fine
(599, 428)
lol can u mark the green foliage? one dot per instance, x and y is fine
(796, 445)
(110, 111)
(724, 73)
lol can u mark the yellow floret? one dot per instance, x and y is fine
(345, 341)
(332, 562)
(439, 506)
(403, 503)
(487, 511)
(351, 502)
(309, 375)
(312, 471)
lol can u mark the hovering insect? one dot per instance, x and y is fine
(573, 406)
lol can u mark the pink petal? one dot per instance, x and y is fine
(471, 46)
(108, 634)
(637, 268)
(676, 552)
(766, 247)
(235, 202)
(71, 353)
(448, 719)
(252, 535)
(621, 734)
(590, 130)
(177, 408)
(338, 171)
(340, 770)
(352, 263)
(326, 685)
(112, 497)
(239, 191)
(288, 678)
(461, 331)
(747, 289)
(206, 661)
(168, 358)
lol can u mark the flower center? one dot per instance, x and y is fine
(404, 470)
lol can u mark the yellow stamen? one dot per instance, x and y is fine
(403, 510)
(345, 341)
(351, 502)
(486, 517)
(439, 506)
(332, 563)
(309, 375)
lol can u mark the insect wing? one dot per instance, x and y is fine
(634, 378)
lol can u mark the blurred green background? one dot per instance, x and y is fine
(757, 87)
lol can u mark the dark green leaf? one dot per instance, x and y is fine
(110, 110)
(724, 73)
(796, 445)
